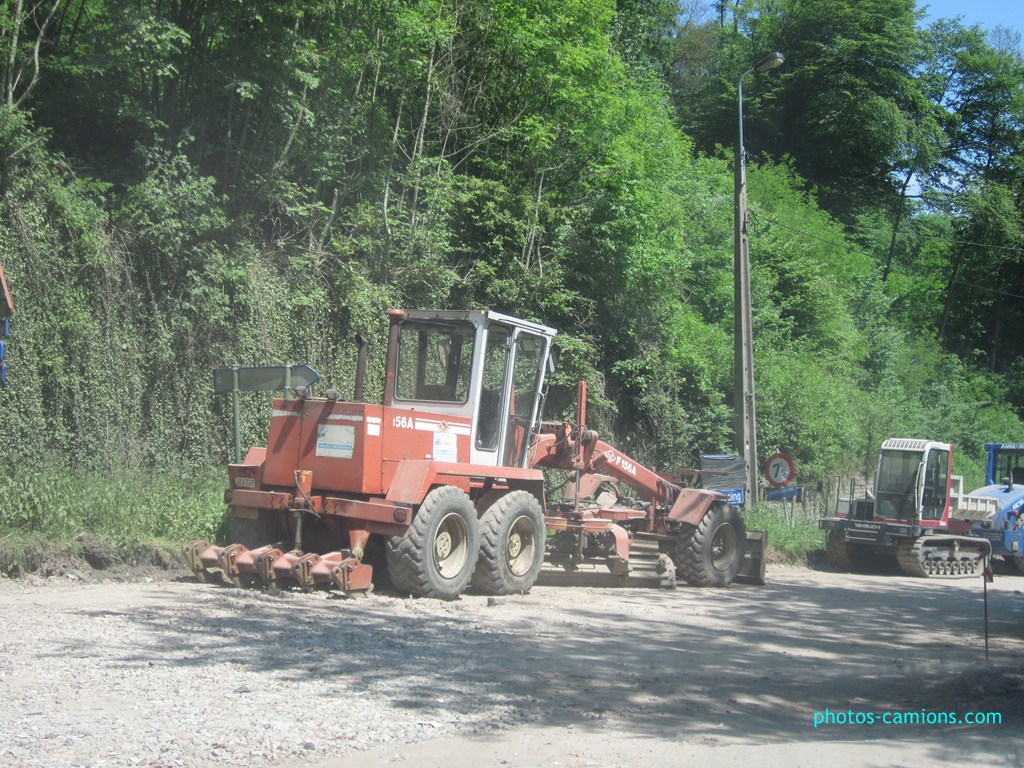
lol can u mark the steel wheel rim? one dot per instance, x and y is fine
(723, 546)
(520, 545)
(451, 545)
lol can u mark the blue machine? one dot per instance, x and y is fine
(1004, 475)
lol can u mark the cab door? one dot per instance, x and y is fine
(529, 356)
(934, 486)
(510, 395)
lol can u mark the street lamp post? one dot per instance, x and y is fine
(745, 412)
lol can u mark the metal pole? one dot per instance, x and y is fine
(235, 413)
(984, 580)
(746, 413)
(746, 418)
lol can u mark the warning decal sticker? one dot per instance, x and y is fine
(335, 441)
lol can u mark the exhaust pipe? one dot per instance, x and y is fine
(363, 343)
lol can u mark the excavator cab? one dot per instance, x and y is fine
(912, 483)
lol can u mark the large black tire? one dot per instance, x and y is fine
(401, 578)
(511, 545)
(437, 555)
(710, 555)
(1017, 562)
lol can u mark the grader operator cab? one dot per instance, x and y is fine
(449, 473)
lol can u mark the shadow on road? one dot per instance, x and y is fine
(746, 663)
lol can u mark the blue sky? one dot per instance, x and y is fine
(986, 13)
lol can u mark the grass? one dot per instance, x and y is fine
(137, 514)
(790, 540)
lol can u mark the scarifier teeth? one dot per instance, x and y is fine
(202, 558)
(264, 563)
(322, 572)
(227, 559)
(243, 567)
(282, 566)
(302, 570)
(353, 577)
(335, 569)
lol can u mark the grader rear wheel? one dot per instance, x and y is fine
(710, 555)
(511, 545)
(437, 555)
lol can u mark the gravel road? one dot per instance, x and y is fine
(175, 673)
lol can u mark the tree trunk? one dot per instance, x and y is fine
(900, 213)
(997, 328)
(950, 284)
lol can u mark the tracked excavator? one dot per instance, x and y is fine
(918, 513)
(446, 479)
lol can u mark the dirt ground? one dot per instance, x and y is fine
(174, 673)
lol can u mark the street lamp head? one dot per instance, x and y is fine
(771, 61)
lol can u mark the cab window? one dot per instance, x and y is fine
(434, 361)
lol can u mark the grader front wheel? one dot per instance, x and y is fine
(437, 555)
(710, 555)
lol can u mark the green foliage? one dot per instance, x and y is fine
(126, 507)
(186, 186)
(792, 538)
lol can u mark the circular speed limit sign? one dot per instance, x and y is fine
(779, 470)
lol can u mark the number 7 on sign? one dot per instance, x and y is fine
(778, 470)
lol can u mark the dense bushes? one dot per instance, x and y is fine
(256, 183)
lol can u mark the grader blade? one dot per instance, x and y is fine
(649, 566)
(752, 568)
(644, 565)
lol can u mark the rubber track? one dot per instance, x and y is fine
(909, 559)
(838, 552)
(487, 577)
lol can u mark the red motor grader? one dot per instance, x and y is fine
(448, 474)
